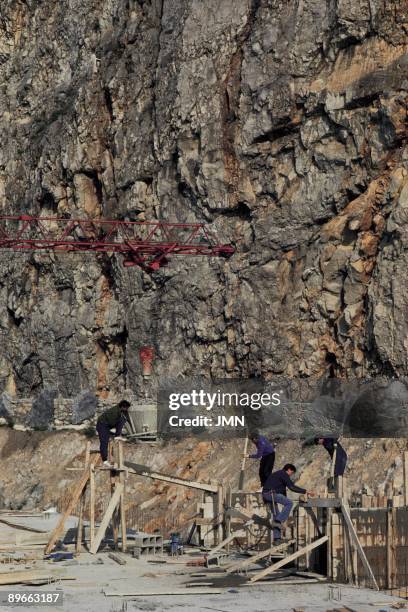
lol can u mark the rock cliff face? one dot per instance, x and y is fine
(280, 123)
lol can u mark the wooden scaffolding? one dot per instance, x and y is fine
(114, 514)
(324, 537)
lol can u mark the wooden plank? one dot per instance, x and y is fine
(190, 591)
(244, 514)
(22, 527)
(115, 528)
(333, 528)
(356, 541)
(80, 526)
(283, 581)
(242, 473)
(289, 559)
(237, 534)
(113, 476)
(321, 502)
(333, 462)
(390, 542)
(143, 470)
(227, 518)
(92, 503)
(309, 536)
(405, 473)
(117, 558)
(114, 500)
(314, 575)
(82, 503)
(56, 533)
(315, 522)
(122, 480)
(27, 576)
(87, 453)
(131, 423)
(240, 565)
(348, 544)
(219, 514)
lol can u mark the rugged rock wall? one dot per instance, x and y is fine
(281, 123)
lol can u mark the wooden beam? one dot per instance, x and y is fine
(284, 582)
(113, 480)
(22, 527)
(80, 527)
(289, 559)
(131, 423)
(92, 503)
(30, 576)
(227, 518)
(391, 553)
(242, 473)
(356, 541)
(80, 522)
(87, 453)
(405, 472)
(117, 558)
(122, 480)
(333, 462)
(114, 500)
(237, 534)
(143, 470)
(244, 514)
(56, 533)
(219, 514)
(189, 591)
(240, 513)
(264, 553)
(309, 512)
(321, 502)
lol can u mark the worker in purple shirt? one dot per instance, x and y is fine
(266, 453)
(274, 494)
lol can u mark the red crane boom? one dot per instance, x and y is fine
(145, 244)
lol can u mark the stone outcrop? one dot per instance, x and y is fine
(281, 124)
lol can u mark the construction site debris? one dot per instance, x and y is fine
(30, 576)
(117, 558)
(206, 591)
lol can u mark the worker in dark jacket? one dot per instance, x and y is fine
(332, 445)
(114, 417)
(266, 453)
(274, 492)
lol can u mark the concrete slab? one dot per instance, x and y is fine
(92, 577)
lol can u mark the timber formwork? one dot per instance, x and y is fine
(362, 546)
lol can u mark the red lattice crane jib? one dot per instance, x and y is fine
(145, 244)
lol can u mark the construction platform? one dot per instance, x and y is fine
(229, 559)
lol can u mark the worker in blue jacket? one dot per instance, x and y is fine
(332, 445)
(265, 451)
(274, 494)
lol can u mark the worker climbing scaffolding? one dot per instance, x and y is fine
(113, 418)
